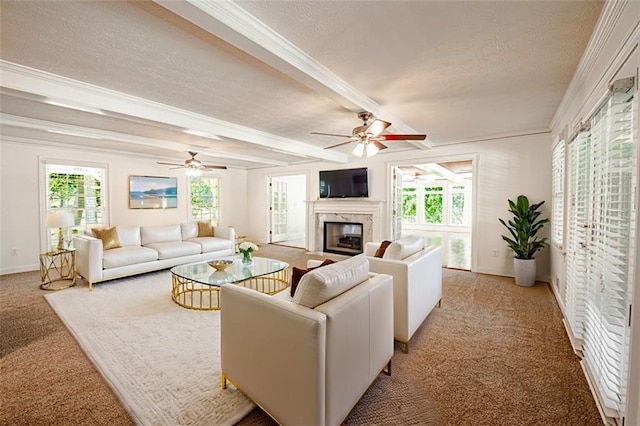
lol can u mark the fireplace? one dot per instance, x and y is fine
(343, 238)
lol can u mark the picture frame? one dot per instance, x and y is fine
(153, 192)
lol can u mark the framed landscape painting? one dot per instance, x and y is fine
(153, 192)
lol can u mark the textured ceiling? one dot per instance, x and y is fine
(278, 70)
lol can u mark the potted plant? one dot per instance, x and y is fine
(524, 242)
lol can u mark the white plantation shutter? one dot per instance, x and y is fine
(577, 231)
(610, 250)
(557, 189)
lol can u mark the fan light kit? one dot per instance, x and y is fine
(368, 136)
(194, 166)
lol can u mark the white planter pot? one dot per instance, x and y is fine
(525, 271)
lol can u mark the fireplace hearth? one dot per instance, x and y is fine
(343, 238)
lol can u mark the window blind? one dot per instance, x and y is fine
(577, 232)
(610, 249)
(557, 189)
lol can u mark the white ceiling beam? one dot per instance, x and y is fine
(86, 132)
(233, 24)
(55, 87)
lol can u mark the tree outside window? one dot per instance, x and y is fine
(409, 204)
(205, 198)
(433, 204)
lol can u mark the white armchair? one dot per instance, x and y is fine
(417, 281)
(308, 364)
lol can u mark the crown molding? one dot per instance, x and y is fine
(230, 22)
(613, 14)
(61, 88)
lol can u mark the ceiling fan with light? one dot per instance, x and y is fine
(194, 166)
(369, 136)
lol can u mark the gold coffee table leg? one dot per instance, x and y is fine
(193, 295)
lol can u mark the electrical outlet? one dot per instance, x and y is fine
(14, 252)
(495, 253)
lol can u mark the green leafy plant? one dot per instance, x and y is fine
(524, 227)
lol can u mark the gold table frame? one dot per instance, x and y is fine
(195, 295)
(58, 266)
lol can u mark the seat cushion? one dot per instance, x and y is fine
(189, 230)
(174, 249)
(404, 247)
(323, 284)
(129, 235)
(129, 255)
(209, 244)
(160, 234)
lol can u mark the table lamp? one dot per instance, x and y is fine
(60, 220)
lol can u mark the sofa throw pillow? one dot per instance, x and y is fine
(323, 284)
(297, 274)
(205, 229)
(382, 248)
(108, 236)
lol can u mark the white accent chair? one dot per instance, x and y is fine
(417, 281)
(307, 360)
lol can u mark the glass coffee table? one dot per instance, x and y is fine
(197, 285)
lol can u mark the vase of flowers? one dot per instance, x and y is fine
(246, 248)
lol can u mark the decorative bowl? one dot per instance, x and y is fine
(220, 265)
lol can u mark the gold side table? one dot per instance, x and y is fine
(58, 266)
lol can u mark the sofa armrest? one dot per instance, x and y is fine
(359, 342)
(88, 257)
(225, 232)
(417, 287)
(274, 351)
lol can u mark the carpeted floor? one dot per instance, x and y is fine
(493, 354)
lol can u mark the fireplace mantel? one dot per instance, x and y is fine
(368, 212)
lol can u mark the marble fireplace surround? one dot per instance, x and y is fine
(367, 212)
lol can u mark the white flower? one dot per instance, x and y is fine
(246, 246)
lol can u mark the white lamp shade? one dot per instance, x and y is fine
(60, 220)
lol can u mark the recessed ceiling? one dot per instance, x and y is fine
(259, 77)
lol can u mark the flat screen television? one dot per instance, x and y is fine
(344, 183)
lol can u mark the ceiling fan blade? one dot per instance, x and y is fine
(179, 167)
(330, 134)
(377, 144)
(340, 144)
(378, 126)
(209, 166)
(415, 137)
(170, 164)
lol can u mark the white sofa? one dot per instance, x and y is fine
(308, 364)
(417, 281)
(149, 248)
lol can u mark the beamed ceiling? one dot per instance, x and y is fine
(150, 78)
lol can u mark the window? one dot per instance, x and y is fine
(205, 198)
(433, 196)
(447, 204)
(409, 204)
(557, 194)
(601, 214)
(76, 189)
(460, 208)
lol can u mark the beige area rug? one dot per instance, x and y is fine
(162, 360)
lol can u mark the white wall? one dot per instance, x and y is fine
(21, 222)
(506, 168)
(612, 53)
